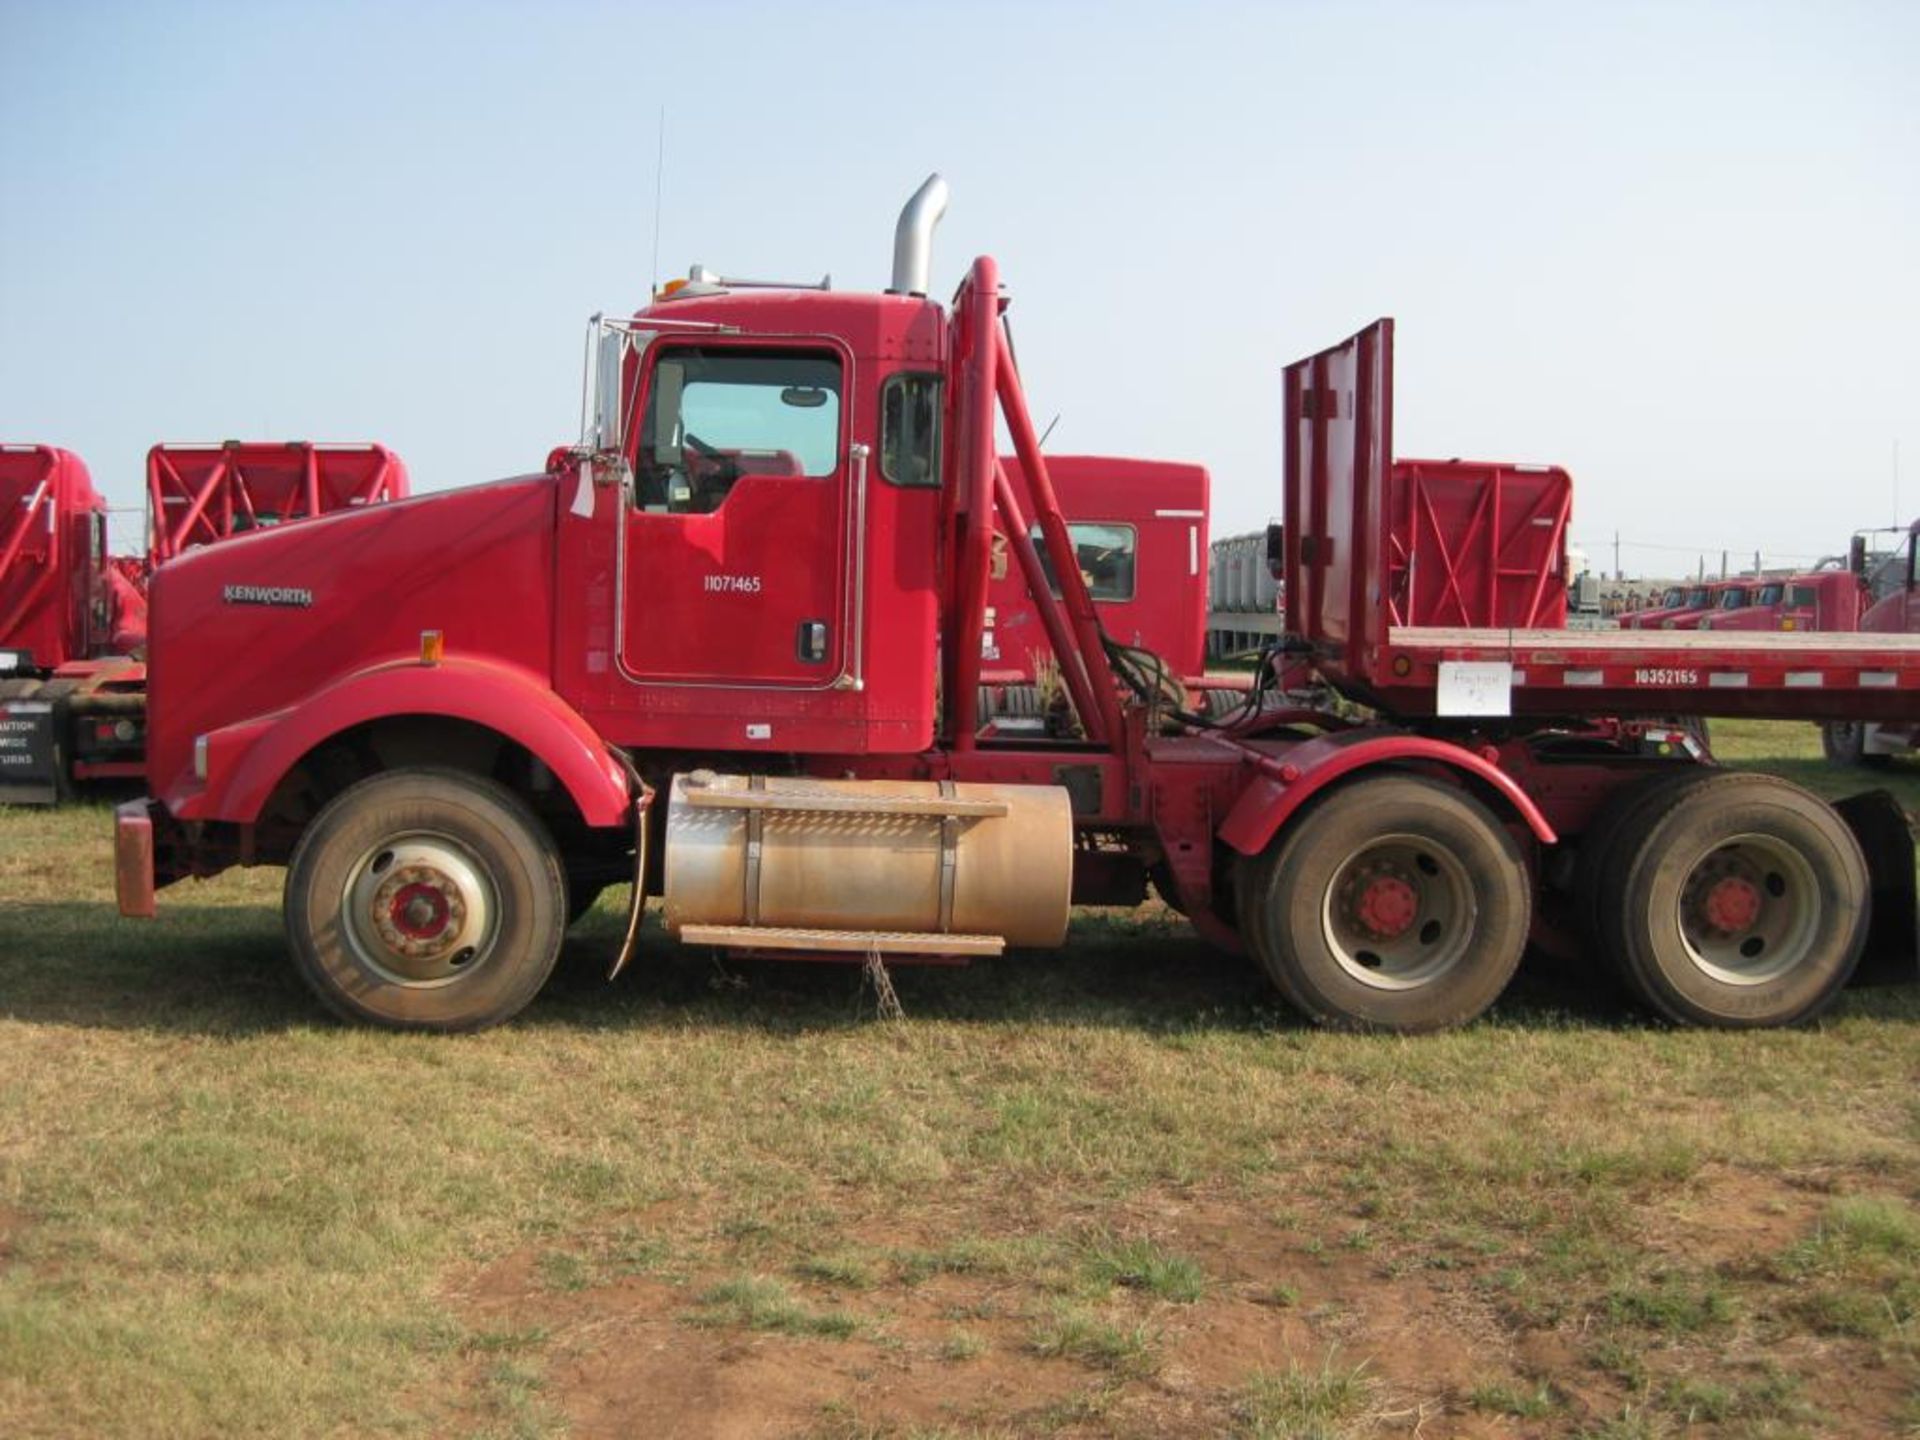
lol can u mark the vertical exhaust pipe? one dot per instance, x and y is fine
(913, 237)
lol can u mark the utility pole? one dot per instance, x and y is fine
(1618, 573)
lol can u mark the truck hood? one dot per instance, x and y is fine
(250, 626)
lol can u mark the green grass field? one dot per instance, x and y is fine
(1119, 1191)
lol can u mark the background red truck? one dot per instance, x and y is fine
(1139, 533)
(73, 618)
(1830, 599)
(730, 648)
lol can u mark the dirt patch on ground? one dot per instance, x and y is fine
(1734, 1218)
(13, 1224)
(1398, 1341)
(631, 1357)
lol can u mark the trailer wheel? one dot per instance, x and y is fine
(1844, 742)
(425, 899)
(1394, 904)
(1741, 901)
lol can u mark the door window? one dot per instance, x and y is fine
(716, 415)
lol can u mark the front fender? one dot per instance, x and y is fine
(1283, 785)
(249, 760)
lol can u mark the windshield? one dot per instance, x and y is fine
(1699, 599)
(1734, 598)
(1804, 595)
(1770, 594)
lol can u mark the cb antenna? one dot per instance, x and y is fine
(659, 176)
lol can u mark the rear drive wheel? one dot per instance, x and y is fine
(1844, 743)
(1394, 904)
(1603, 858)
(425, 899)
(1739, 902)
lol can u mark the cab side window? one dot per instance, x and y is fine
(716, 414)
(910, 431)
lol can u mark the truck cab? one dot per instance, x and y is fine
(1139, 528)
(1698, 601)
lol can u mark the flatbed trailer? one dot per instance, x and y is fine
(1761, 675)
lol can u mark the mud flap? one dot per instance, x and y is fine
(1893, 939)
(32, 765)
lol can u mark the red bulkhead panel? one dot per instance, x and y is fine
(52, 556)
(1339, 450)
(200, 494)
(1478, 545)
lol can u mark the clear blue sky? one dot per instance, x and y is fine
(1673, 247)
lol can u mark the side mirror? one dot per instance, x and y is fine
(610, 356)
(1857, 555)
(1276, 550)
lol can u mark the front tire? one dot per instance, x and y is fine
(425, 899)
(1394, 904)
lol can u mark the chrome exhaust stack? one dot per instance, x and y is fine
(913, 237)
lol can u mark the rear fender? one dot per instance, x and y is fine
(1284, 784)
(498, 697)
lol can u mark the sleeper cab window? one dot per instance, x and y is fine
(718, 414)
(1105, 553)
(910, 431)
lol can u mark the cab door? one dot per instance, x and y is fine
(734, 557)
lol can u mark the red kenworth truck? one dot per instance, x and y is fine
(730, 648)
(73, 618)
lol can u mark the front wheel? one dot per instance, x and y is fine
(1394, 904)
(425, 899)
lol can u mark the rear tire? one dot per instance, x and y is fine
(1603, 858)
(1738, 902)
(1394, 904)
(425, 899)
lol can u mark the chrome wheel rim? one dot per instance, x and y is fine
(1399, 913)
(419, 909)
(1749, 910)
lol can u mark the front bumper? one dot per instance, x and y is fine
(133, 858)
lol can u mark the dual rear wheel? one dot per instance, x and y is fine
(1718, 898)
(1725, 899)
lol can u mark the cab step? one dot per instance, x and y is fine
(848, 942)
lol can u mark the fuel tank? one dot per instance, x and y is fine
(927, 857)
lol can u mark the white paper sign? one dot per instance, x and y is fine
(1475, 687)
